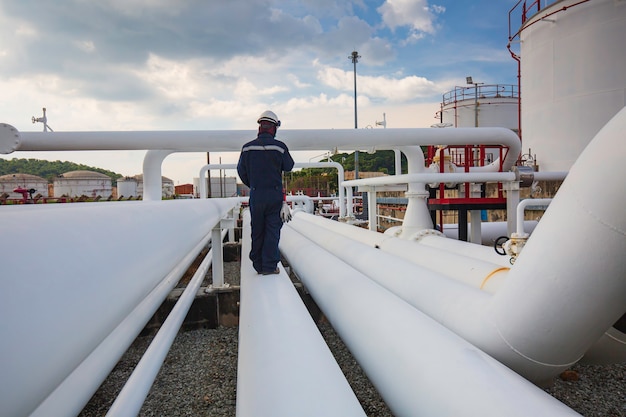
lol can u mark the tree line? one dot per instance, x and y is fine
(48, 169)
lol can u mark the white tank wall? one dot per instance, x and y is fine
(573, 78)
(167, 188)
(78, 187)
(7, 186)
(127, 187)
(492, 112)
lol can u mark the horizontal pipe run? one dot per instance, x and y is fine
(430, 177)
(550, 175)
(69, 280)
(71, 396)
(443, 245)
(233, 140)
(129, 401)
(284, 367)
(408, 356)
(388, 253)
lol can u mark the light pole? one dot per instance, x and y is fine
(355, 58)
(471, 82)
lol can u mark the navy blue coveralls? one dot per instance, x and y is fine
(261, 164)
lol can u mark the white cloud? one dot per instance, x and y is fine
(26, 30)
(296, 81)
(381, 87)
(85, 46)
(414, 14)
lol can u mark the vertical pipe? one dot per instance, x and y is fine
(152, 181)
(372, 209)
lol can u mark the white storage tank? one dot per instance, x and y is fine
(480, 105)
(573, 75)
(220, 186)
(167, 186)
(78, 183)
(493, 105)
(10, 182)
(127, 187)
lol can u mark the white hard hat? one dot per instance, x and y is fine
(270, 116)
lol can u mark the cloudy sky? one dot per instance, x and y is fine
(217, 64)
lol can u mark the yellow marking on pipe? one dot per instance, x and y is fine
(492, 273)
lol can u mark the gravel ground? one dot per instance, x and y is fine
(198, 377)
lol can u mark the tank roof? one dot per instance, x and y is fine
(17, 176)
(139, 177)
(82, 174)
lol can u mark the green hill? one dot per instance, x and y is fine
(48, 169)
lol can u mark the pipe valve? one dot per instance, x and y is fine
(513, 247)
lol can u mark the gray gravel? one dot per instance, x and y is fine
(199, 375)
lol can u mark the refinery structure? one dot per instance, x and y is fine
(411, 304)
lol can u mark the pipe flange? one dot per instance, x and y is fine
(9, 138)
(525, 175)
(426, 232)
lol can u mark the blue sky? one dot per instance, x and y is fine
(207, 64)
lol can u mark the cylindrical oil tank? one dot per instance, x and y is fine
(127, 187)
(167, 186)
(10, 182)
(479, 105)
(572, 76)
(78, 183)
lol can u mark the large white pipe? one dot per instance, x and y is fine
(231, 140)
(406, 248)
(476, 273)
(284, 366)
(610, 349)
(561, 296)
(408, 356)
(62, 281)
(71, 396)
(539, 322)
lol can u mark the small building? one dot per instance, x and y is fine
(10, 182)
(83, 183)
(184, 189)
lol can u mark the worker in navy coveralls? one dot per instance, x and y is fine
(261, 164)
